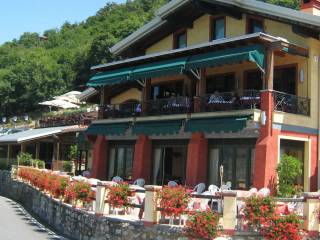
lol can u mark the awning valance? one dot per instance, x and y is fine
(110, 78)
(216, 125)
(107, 129)
(157, 127)
(254, 53)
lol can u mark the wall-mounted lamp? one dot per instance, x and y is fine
(301, 75)
(263, 119)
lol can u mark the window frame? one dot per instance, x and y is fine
(212, 27)
(249, 24)
(226, 74)
(293, 65)
(176, 36)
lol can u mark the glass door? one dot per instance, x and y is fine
(168, 164)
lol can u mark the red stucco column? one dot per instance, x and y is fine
(266, 157)
(142, 158)
(99, 161)
(196, 170)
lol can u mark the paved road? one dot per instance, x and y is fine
(17, 224)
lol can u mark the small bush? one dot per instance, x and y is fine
(288, 170)
(41, 164)
(67, 166)
(4, 166)
(204, 224)
(25, 159)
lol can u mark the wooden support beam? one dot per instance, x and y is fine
(269, 69)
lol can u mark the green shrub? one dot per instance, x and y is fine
(73, 152)
(39, 163)
(25, 159)
(288, 170)
(67, 166)
(4, 166)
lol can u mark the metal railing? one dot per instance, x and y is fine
(123, 110)
(174, 105)
(226, 101)
(289, 103)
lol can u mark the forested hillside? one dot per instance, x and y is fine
(33, 69)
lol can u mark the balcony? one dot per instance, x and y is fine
(216, 102)
(291, 103)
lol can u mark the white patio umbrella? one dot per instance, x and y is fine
(59, 104)
(70, 97)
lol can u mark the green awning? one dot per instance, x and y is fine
(157, 127)
(159, 69)
(216, 125)
(107, 129)
(254, 53)
(145, 71)
(110, 77)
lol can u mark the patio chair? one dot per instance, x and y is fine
(263, 192)
(139, 182)
(117, 179)
(172, 184)
(199, 188)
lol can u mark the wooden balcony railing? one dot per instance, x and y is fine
(291, 103)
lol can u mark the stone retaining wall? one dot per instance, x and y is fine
(77, 224)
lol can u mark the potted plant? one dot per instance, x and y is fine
(119, 196)
(173, 201)
(203, 224)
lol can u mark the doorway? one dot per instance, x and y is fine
(169, 164)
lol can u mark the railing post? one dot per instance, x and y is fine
(229, 212)
(151, 214)
(197, 104)
(310, 207)
(99, 207)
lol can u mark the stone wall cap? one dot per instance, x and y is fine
(229, 193)
(311, 195)
(152, 187)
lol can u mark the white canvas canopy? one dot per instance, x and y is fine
(71, 97)
(59, 104)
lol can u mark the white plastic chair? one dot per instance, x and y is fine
(172, 184)
(117, 179)
(229, 184)
(213, 189)
(139, 182)
(199, 188)
(253, 191)
(263, 192)
(225, 188)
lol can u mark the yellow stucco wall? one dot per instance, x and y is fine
(131, 94)
(200, 31)
(163, 45)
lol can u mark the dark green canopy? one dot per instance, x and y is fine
(216, 125)
(107, 129)
(157, 127)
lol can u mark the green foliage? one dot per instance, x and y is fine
(288, 170)
(73, 152)
(25, 159)
(67, 166)
(285, 3)
(33, 70)
(39, 163)
(4, 166)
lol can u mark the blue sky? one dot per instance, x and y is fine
(19, 16)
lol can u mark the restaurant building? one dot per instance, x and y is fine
(209, 83)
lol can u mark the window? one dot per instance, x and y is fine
(253, 80)
(166, 90)
(218, 28)
(284, 79)
(120, 162)
(180, 40)
(221, 83)
(254, 25)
